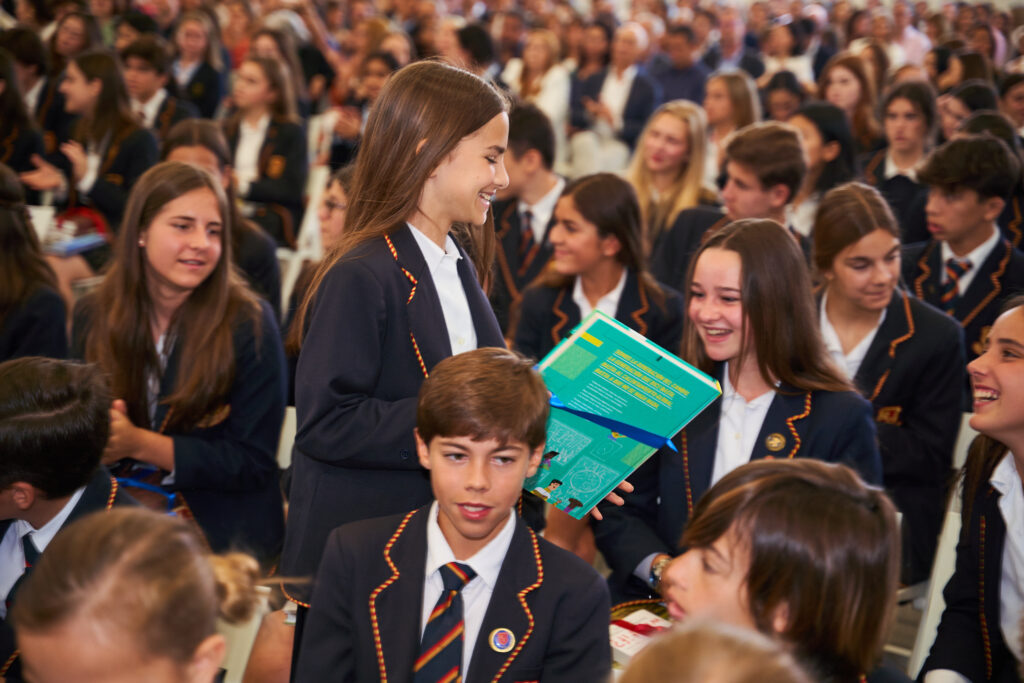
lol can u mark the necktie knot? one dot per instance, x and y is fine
(958, 266)
(455, 576)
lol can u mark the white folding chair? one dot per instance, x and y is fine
(240, 638)
(287, 440)
(307, 243)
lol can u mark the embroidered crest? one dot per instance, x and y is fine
(275, 167)
(890, 415)
(502, 640)
(197, 89)
(775, 442)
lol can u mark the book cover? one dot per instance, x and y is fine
(633, 633)
(616, 398)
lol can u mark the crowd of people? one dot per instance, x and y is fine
(819, 204)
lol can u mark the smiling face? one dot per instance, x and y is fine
(477, 485)
(997, 378)
(716, 304)
(865, 273)
(463, 186)
(578, 245)
(666, 145)
(182, 244)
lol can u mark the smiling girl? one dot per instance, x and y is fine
(752, 325)
(195, 362)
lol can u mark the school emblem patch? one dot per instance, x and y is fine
(502, 640)
(890, 415)
(275, 167)
(775, 442)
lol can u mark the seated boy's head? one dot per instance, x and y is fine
(765, 165)
(531, 147)
(54, 423)
(480, 429)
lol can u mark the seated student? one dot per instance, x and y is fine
(22, 138)
(198, 63)
(905, 356)
(966, 269)
(43, 99)
(278, 45)
(764, 167)
(753, 326)
(374, 71)
(970, 96)
(131, 595)
(33, 319)
(146, 71)
(54, 424)
(979, 635)
(775, 541)
(731, 103)
(1011, 99)
(1011, 220)
(201, 142)
(525, 210)
(195, 360)
(524, 609)
(910, 117)
(269, 148)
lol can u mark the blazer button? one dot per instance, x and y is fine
(405, 454)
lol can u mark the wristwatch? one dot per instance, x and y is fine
(657, 567)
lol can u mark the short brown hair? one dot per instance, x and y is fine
(846, 214)
(488, 393)
(152, 49)
(773, 151)
(975, 162)
(823, 544)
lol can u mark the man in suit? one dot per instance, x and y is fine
(732, 52)
(520, 608)
(147, 64)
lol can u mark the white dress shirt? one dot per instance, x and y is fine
(93, 160)
(892, 170)
(615, 93)
(32, 96)
(183, 74)
(247, 154)
(12, 555)
(801, 216)
(149, 110)
(976, 257)
(476, 595)
(607, 304)
(738, 427)
(443, 265)
(542, 211)
(850, 362)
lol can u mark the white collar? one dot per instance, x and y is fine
(42, 536)
(32, 96)
(151, 108)
(1005, 478)
(627, 75)
(978, 255)
(433, 254)
(608, 302)
(545, 206)
(892, 170)
(260, 128)
(729, 392)
(486, 562)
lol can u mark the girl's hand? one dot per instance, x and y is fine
(125, 438)
(614, 499)
(45, 177)
(78, 158)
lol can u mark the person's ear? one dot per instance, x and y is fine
(422, 450)
(780, 619)
(207, 659)
(23, 494)
(992, 207)
(535, 456)
(830, 151)
(610, 246)
(531, 160)
(779, 196)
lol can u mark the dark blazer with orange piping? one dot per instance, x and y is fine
(204, 90)
(1011, 220)
(376, 328)
(829, 426)
(172, 111)
(970, 639)
(548, 315)
(1000, 276)
(511, 274)
(905, 197)
(365, 621)
(914, 376)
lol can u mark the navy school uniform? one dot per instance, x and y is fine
(101, 493)
(226, 469)
(1000, 276)
(376, 328)
(38, 327)
(970, 639)
(513, 274)
(277, 193)
(256, 257)
(172, 111)
(672, 251)
(54, 122)
(364, 624)
(644, 97)
(829, 426)
(548, 315)
(1011, 220)
(17, 146)
(914, 374)
(204, 90)
(904, 196)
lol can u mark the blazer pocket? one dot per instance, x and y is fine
(523, 676)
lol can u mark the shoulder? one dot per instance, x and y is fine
(567, 572)
(45, 301)
(540, 296)
(138, 138)
(369, 535)
(936, 324)
(913, 252)
(288, 129)
(833, 404)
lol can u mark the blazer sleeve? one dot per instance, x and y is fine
(327, 648)
(667, 327)
(138, 152)
(289, 186)
(648, 94)
(241, 454)
(579, 648)
(856, 441)
(341, 419)
(37, 328)
(532, 324)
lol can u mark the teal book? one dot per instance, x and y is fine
(616, 397)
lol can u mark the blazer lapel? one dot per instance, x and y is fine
(986, 285)
(567, 315)
(929, 266)
(897, 328)
(784, 426)
(394, 605)
(426, 317)
(698, 443)
(521, 574)
(633, 304)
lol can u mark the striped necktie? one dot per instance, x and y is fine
(955, 268)
(440, 659)
(31, 558)
(527, 242)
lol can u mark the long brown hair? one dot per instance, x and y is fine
(426, 102)
(746, 105)
(22, 265)
(112, 113)
(284, 107)
(845, 215)
(778, 307)
(120, 337)
(866, 128)
(824, 546)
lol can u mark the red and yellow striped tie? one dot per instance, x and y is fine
(440, 659)
(955, 268)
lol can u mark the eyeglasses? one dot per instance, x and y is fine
(333, 205)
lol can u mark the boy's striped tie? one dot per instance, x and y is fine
(440, 659)
(955, 268)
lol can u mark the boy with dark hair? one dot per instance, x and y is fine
(525, 209)
(146, 64)
(680, 72)
(461, 589)
(764, 167)
(967, 269)
(54, 424)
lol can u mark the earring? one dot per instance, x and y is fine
(142, 242)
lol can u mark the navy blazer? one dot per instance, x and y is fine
(18, 145)
(102, 492)
(172, 111)
(1000, 276)
(256, 257)
(376, 328)
(905, 197)
(749, 61)
(548, 315)
(205, 90)
(283, 165)
(970, 639)
(829, 426)
(644, 98)
(512, 274)
(365, 621)
(38, 327)
(914, 375)
(676, 245)
(1011, 220)
(53, 120)
(226, 470)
